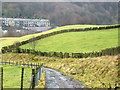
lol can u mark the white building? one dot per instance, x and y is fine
(25, 22)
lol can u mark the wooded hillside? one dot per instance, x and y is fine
(61, 13)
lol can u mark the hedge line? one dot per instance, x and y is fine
(108, 51)
(16, 45)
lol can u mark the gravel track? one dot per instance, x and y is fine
(55, 79)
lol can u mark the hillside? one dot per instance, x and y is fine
(76, 42)
(11, 40)
(61, 13)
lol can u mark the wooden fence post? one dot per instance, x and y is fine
(16, 63)
(1, 78)
(22, 78)
(9, 61)
(31, 64)
(33, 78)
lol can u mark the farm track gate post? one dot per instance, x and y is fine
(22, 78)
(33, 78)
(1, 78)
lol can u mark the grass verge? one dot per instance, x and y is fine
(42, 81)
(98, 72)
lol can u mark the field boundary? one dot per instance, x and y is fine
(104, 52)
(34, 65)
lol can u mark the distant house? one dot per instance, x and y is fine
(25, 22)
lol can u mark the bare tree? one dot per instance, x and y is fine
(33, 47)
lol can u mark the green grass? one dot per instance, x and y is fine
(8, 41)
(59, 29)
(77, 41)
(11, 40)
(12, 76)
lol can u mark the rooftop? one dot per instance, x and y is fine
(21, 19)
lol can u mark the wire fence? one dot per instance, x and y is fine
(20, 77)
(36, 74)
(9, 62)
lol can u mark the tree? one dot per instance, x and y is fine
(33, 47)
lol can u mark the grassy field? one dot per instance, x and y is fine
(11, 40)
(77, 41)
(12, 76)
(98, 72)
(8, 41)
